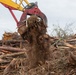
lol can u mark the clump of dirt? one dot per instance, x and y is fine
(39, 41)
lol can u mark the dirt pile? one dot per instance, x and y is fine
(38, 53)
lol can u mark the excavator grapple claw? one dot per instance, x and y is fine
(30, 10)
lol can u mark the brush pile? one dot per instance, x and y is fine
(38, 54)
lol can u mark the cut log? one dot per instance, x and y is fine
(13, 41)
(13, 54)
(72, 59)
(3, 67)
(7, 69)
(5, 51)
(69, 45)
(3, 61)
(12, 49)
(71, 40)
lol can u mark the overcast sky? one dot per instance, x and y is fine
(58, 12)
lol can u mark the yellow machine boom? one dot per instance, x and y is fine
(13, 4)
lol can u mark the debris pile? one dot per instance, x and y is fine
(38, 53)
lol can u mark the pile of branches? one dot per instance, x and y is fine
(12, 49)
(62, 59)
(39, 54)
